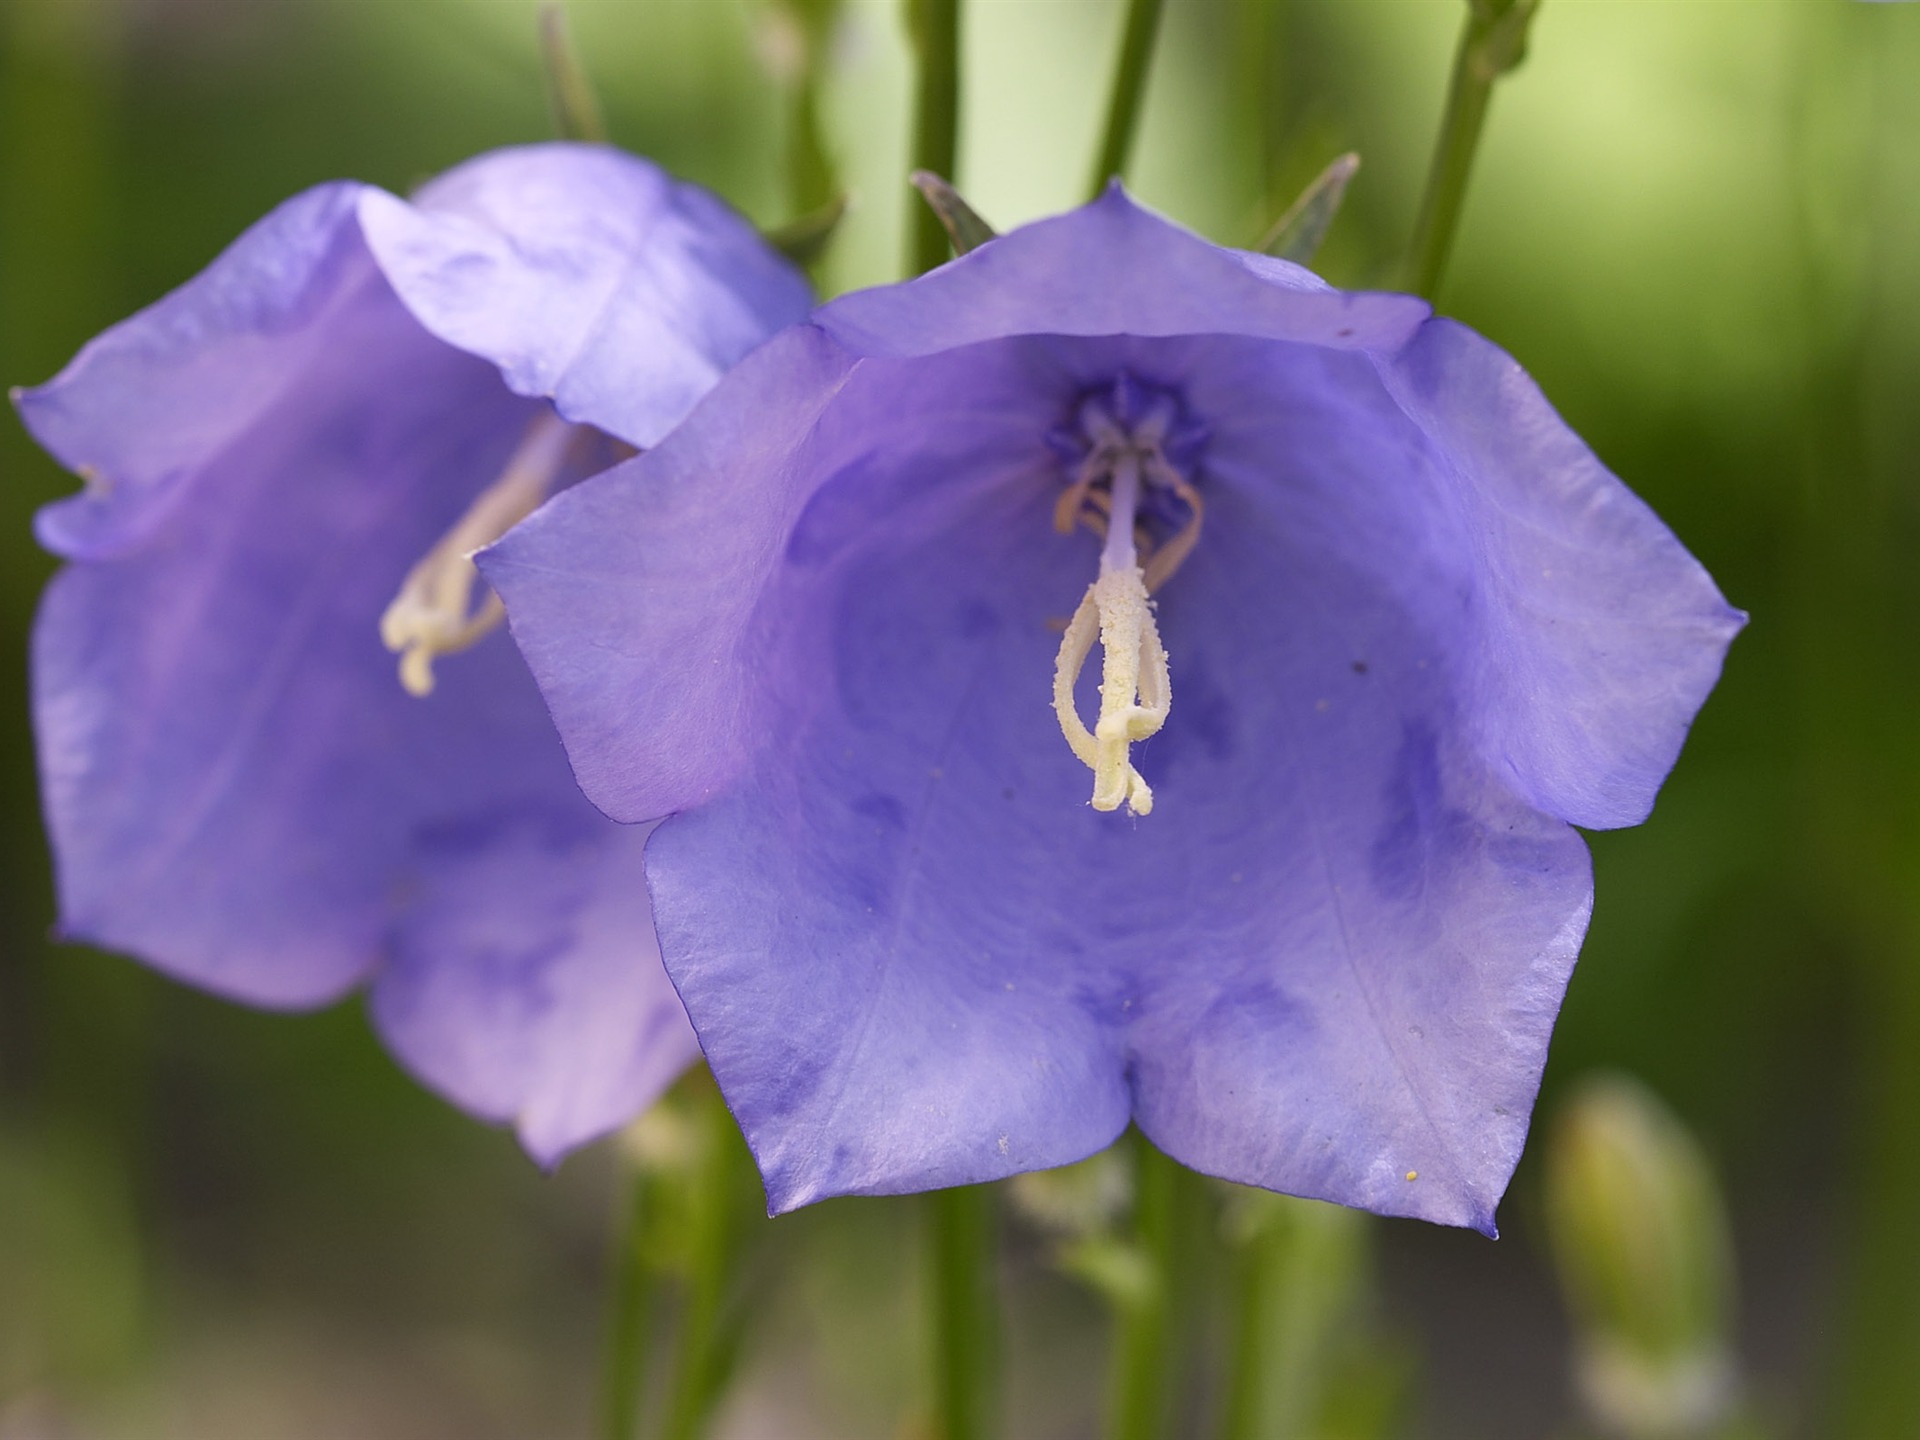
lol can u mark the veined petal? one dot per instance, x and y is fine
(589, 276)
(151, 399)
(231, 770)
(635, 643)
(1601, 635)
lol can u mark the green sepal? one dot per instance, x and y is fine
(1297, 234)
(961, 221)
(805, 238)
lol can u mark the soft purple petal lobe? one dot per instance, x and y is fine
(588, 276)
(147, 402)
(1601, 636)
(523, 982)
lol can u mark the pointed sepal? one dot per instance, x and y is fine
(1297, 234)
(962, 222)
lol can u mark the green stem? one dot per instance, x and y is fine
(570, 92)
(1143, 1345)
(1493, 42)
(934, 26)
(1129, 84)
(704, 1351)
(1302, 1271)
(812, 180)
(965, 1356)
(624, 1364)
(1253, 1403)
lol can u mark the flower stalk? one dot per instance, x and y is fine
(703, 1355)
(966, 1351)
(1129, 86)
(1300, 1273)
(1143, 1348)
(1493, 42)
(570, 93)
(813, 181)
(933, 28)
(623, 1366)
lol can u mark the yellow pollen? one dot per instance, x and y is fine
(433, 614)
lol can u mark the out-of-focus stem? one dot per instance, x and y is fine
(1143, 1348)
(934, 26)
(1879, 1383)
(1129, 85)
(624, 1364)
(813, 182)
(576, 107)
(1494, 42)
(966, 1332)
(704, 1348)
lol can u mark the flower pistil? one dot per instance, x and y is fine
(1123, 481)
(433, 614)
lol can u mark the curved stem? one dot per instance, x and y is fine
(935, 31)
(624, 1364)
(965, 1357)
(1129, 85)
(1493, 42)
(1143, 1348)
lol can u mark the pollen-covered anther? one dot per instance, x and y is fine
(433, 614)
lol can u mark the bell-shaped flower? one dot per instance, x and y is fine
(1372, 629)
(291, 458)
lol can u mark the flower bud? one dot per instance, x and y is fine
(1639, 1233)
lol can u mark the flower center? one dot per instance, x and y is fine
(1126, 490)
(434, 613)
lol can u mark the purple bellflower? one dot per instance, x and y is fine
(1392, 628)
(289, 459)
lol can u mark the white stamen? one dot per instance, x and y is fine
(432, 615)
(1136, 690)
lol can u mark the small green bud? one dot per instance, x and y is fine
(1640, 1237)
(1075, 1202)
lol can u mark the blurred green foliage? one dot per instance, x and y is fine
(1696, 223)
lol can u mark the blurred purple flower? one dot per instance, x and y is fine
(1418, 633)
(239, 790)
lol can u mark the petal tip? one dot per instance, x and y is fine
(547, 1151)
(786, 1194)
